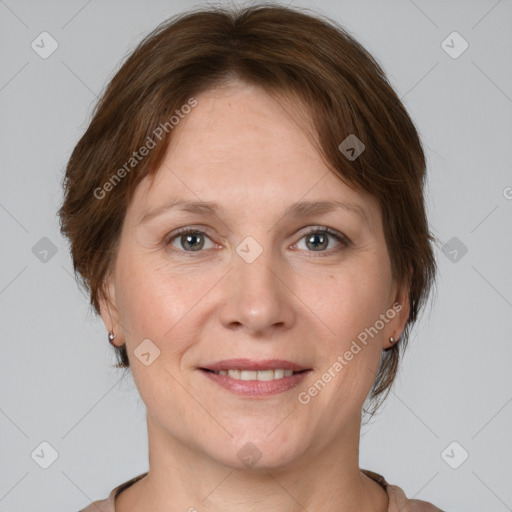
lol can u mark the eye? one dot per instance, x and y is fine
(190, 239)
(193, 240)
(318, 239)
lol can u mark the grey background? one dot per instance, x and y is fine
(56, 380)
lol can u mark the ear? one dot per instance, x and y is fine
(108, 309)
(401, 307)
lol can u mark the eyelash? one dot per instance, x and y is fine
(342, 239)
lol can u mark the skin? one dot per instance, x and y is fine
(252, 154)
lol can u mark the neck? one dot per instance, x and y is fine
(181, 478)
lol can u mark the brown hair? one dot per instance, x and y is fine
(293, 52)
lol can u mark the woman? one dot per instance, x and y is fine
(246, 210)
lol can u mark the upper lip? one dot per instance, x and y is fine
(254, 365)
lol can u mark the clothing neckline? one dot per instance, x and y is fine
(370, 474)
(376, 477)
(118, 490)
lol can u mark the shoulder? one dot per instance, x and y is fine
(398, 501)
(107, 505)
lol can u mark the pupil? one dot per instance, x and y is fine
(322, 244)
(191, 237)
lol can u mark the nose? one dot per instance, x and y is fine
(258, 296)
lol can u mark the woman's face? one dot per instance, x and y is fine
(252, 283)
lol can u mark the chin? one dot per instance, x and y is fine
(258, 452)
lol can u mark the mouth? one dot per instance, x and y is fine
(244, 368)
(261, 375)
(253, 379)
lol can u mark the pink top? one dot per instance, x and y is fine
(398, 501)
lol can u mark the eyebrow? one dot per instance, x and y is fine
(298, 209)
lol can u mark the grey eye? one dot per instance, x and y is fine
(190, 241)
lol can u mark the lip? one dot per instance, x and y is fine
(256, 388)
(254, 365)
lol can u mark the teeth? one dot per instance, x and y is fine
(256, 375)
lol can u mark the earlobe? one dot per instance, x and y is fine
(108, 310)
(401, 309)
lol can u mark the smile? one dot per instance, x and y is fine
(262, 375)
(255, 383)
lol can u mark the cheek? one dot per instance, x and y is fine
(152, 298)
(354, 298)
(153, 305)
(352, 306)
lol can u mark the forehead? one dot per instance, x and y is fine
(245, 149)
(242, 127)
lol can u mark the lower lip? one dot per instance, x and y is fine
(256, 388)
